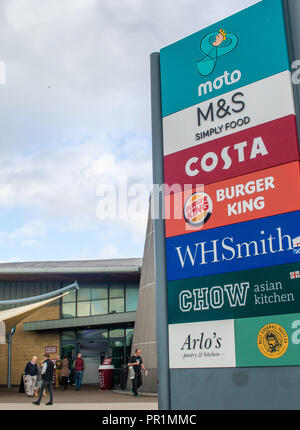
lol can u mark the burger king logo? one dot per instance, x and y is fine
(272, 340)
(197, 209)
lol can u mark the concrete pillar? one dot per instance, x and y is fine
(144, 336)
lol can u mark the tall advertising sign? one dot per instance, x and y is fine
(231, 169)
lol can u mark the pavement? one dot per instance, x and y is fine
(88, 398)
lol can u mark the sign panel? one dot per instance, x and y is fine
(248, 245)
(233, 253)
(263, 341)
(262, 194)
(240, 153)
(248, 293)
(247, 107)
(50, 349)
(206, 344)
(241, 49)
(268, 341)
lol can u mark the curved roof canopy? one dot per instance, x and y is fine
(9, 318)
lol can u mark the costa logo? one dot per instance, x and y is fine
(197, 209)
(211, 160)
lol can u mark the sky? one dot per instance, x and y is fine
(75, 117)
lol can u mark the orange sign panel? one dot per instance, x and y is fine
(257, 195)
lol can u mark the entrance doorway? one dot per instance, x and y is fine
(95, 345)
(93, 354)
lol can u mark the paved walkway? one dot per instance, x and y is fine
(89, 398)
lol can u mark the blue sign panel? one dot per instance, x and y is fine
(248, 245)
(237, 51)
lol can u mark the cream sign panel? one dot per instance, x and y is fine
(241, 109)
(202, 344)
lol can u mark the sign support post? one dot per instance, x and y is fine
(159, 235)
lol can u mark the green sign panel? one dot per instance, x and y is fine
(265, 291)
(268, 341)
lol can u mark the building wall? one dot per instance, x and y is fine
(144, 336)
(27, 344)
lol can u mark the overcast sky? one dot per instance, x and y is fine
(75, 113)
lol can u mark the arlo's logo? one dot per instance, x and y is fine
(198, 209)
(272, 340)
(227, 79)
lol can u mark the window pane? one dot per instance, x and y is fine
(99, 293)
(83, 294)
(71, 297)
(99, 307)
(116, 332)
(129, 336)
(116, 344)
(116, 291)
(83, 309)
(68, 310)
(68, 335)
(116, 306)
(132, 294)
(92, 334)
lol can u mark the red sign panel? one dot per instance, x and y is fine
(248, 151)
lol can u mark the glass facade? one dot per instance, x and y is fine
(97, 344)
(100, 299)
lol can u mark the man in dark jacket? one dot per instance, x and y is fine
(137, 364)
(31, 372)
(47, 377)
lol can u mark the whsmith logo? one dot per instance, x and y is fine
(225, 79)
(215, 251)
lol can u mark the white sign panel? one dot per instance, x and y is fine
(202, 344)
(241, 109)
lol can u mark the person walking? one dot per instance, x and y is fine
(136, 363)
(58, 364)
(79, 367)
(65, 373)
(47, 377)
(39, 381)
(31, 372)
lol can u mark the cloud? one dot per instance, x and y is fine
(29, 230)
(75, 114)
